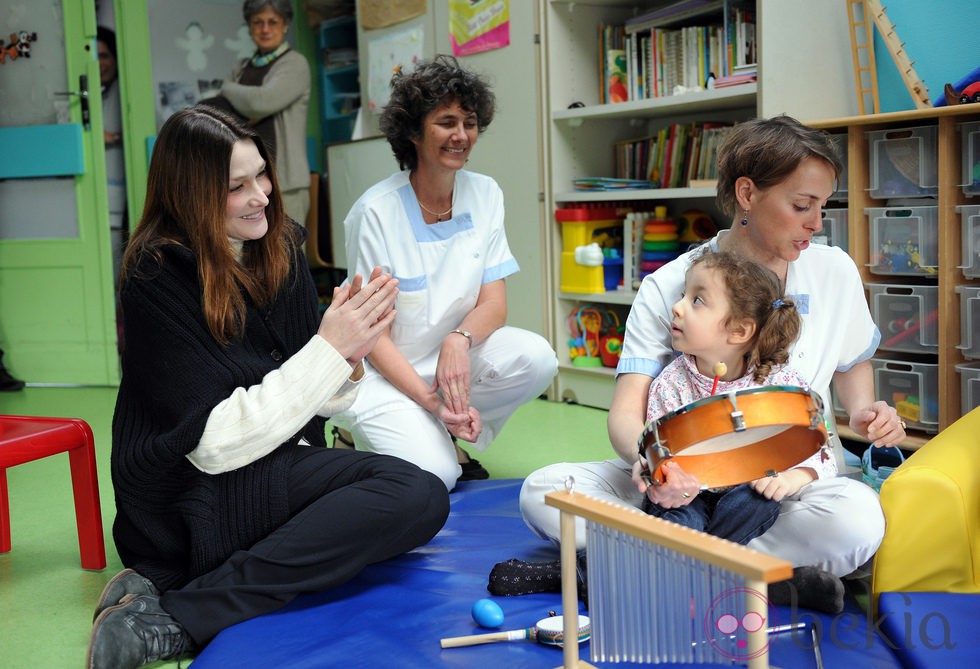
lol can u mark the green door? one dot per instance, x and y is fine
(57, 312)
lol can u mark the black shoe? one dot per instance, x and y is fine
(518, 577)
(473, 471)
(810, 588)
(139, 632)
(9, 383)
(123, 587)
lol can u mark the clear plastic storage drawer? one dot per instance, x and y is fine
(969, 321)
(969, 386)
(902, 162)
(840, 143)
(904, 240)
(970, 133)
(834, 229)
(912, 388)
(970, 227)
(906, 316)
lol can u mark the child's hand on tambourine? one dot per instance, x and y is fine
(782, 484)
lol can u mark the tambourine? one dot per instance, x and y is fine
(731, 438)
(548, 631)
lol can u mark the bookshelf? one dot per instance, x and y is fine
(580, 133)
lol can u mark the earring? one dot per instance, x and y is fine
(745, 218)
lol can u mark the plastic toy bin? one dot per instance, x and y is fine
(969, 386)
(912, 388)
(840, 143)
(581, 226)
(970, 230)
(969, 321)
(834, 229)
(902, 162)
(906, 316)
(970, 132)
(904, 240)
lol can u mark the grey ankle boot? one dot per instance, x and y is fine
(139, 632)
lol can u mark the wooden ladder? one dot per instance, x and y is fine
(863, 55)
(863, 45)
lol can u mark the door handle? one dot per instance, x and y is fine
(83, 97)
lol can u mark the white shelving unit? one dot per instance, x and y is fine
(579, 143)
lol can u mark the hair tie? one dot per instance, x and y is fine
(778, 303)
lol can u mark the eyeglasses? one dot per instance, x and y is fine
(262, 23)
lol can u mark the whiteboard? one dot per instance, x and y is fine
(352, 168)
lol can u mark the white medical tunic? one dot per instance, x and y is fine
(440, 267)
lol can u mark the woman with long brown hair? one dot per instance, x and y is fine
(228, 504)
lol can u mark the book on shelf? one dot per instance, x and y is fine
(674, 156)
(612, 63)
(607, 184)
(678, 47)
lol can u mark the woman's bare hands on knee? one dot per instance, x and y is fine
(358, 314)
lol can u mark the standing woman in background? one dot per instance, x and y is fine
(272, 91)
(448, 366)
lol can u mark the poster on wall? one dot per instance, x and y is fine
(385, 55)
(478, 25)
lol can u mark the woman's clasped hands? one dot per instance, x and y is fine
(453, 383)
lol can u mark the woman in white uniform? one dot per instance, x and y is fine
(774, 176)
(448, 368)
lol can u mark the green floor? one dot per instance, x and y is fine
(46, 598)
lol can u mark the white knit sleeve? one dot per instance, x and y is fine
(253, 421)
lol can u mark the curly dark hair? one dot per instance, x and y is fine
(768, 151)
(432, 84)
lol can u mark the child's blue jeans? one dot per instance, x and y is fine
(738, 514)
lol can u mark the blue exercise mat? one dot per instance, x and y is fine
(394, 614)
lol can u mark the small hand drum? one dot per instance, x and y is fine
(735, 437)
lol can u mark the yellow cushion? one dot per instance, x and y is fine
(932, 516)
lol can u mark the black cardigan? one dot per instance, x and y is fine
(174, 522)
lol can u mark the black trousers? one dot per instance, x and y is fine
(348, 509)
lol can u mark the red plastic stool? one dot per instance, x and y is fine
(28, 438)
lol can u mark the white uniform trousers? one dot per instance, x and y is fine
(833, 523)
(510, 368)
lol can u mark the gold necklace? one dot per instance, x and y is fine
(433, 213)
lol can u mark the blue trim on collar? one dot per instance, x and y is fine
(431, 232)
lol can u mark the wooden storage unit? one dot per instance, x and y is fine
(948, 275)
(579, 141)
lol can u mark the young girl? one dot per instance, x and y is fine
(732, 312)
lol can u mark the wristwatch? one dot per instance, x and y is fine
(465, 334)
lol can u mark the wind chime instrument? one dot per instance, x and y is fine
(660, 592)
